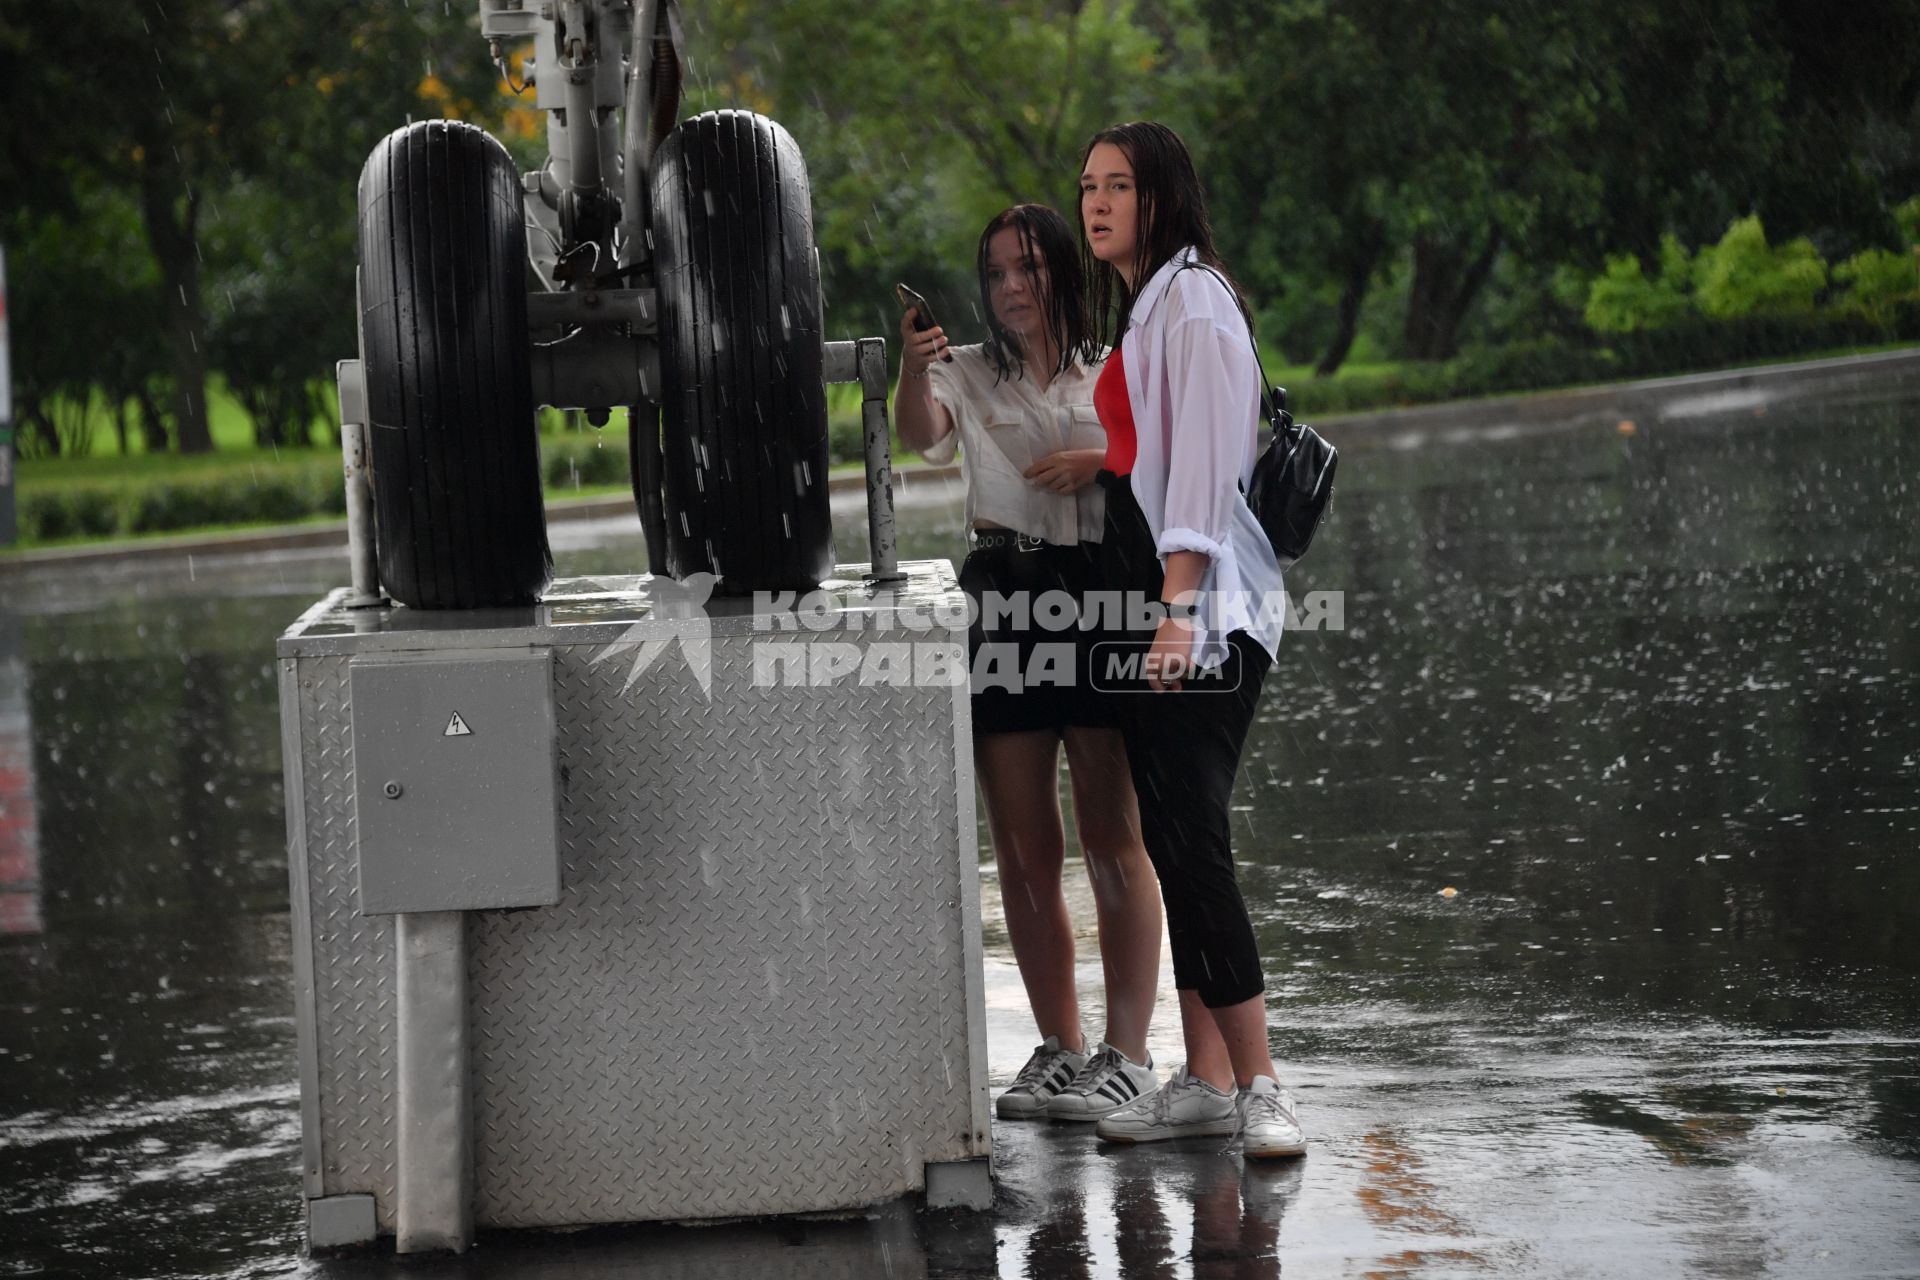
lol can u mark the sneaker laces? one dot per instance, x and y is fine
(1094, 1074)
(1272, 1106)
(1163, 1097)
(1038, 1068)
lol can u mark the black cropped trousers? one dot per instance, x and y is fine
(1183, 749)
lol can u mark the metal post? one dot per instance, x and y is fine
(872, 358)
(9, 522)
(9, 527)
(353, 453)
(434, 1180)
(580, 58)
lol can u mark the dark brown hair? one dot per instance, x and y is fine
(1046, 238)
(1171, 213)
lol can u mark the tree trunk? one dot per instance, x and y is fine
(36, 423)
(171, 211)
(1358, 276)
(153, 427)
(259, 407)
(121, 428)
(1446, 280)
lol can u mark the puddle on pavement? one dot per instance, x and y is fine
(1643, 704)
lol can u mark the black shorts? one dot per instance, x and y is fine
(1029, 663)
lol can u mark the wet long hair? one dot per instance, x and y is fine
(1045, 238)
(1170, 214)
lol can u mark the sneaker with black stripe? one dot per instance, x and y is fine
(1047, 1072)
(1109, 1081)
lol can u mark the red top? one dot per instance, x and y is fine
(1115, 411)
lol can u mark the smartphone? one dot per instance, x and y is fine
(923, 314)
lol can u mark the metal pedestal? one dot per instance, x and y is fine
(759, 991)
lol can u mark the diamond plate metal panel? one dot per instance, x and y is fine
(754, 995)
(353, 959)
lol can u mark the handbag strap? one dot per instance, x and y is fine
(1267, 406)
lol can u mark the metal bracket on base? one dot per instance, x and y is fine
(865, 361)
(340, 1222)
(434, 1179)
(960, 1184)
(352, 381)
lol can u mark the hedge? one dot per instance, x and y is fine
(1690, 347)
(291, 487)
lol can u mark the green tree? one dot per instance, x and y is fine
(1453, 133)
(101, 331)
(195, 111)
(921, 120)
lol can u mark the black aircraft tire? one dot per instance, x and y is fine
(743, 397)
(454, 448)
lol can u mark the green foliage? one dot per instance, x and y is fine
(89, 512)
(1743, 275)
(1623, 300)
(201, 207)
(128, 497)
(1351, 138)
(1373, 169)
(86, 315)
(1694, 344)
(1877, 278)
(1906, 217)
(126, 500)
(585, 460)
(921, 119)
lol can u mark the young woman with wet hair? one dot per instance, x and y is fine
(1180, 401)
(1019, 409)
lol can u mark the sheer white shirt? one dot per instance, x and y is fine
(1001, 427)
(1194, 387)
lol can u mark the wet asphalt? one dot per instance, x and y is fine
(1643, 700)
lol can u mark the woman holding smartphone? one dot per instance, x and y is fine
(1019, 409)
(1180, 401)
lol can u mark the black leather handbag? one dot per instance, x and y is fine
(1292, 484)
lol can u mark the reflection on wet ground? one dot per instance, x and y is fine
(1642, 702)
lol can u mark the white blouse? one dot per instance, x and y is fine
(1194, 387)
(1003, 427)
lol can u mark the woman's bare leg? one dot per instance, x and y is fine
(1126, 894)
(1226, 1047)
(1019, 775)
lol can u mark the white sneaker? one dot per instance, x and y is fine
(1047, 1072)
(1268, 1124)
(1109, 1081)
(1183, 1107)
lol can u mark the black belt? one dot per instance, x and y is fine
(1008, 539)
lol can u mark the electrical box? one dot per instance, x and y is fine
(454, 797)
